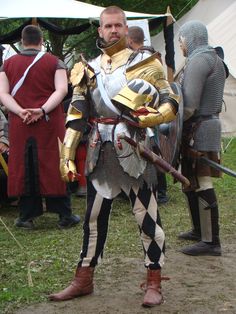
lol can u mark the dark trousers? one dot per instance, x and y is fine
(30, 204)
(161, 184)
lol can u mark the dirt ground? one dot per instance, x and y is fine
(197, 285)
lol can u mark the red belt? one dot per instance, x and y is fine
(113, 121)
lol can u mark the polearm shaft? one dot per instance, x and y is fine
(217, 166)
(4, 164)
(147, 154)
(198, 155)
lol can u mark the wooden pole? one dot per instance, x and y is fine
(4, 164)
(34, 21)
(170, 71)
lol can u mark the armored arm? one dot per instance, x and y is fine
(145, 110)
(76, 124)
(67, 155)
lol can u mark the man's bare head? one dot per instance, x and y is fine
(31, 36)
(113, 9)
(113, 24)
(135, 37)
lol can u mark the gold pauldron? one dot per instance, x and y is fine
(82, 70)
(149, 69)
(131, 99)
(70, 144)
(77, 73)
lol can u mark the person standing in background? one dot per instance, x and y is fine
(202, 82)
(36, 121)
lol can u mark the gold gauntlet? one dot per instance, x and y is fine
(67, 155)
(164, 114)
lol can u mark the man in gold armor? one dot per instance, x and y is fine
(118, 93)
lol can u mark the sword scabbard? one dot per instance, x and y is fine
(147, 154)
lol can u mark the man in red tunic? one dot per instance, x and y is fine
(36, 121)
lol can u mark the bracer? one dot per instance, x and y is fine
(67, 155)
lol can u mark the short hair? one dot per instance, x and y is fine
(113, 9)
(136, 34)
(31, 35)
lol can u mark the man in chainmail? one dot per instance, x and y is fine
(202, 81)
(118, 93)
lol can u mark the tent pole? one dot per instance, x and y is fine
(34, 21)
(170, 71)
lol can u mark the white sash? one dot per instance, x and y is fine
(21, 80)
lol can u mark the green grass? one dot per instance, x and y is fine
(54, 253)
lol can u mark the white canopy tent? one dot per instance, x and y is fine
(37, 10)
(220, 19)
(57, 9)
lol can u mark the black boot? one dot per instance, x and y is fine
(195, 233)
(162, 197)
(209, 218)
(191, 235)
(68, 221)
(202, 248)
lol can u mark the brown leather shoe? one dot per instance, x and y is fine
(153, 295)
(82, 284)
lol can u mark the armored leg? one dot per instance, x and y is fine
(146, 213)
(209, 216)
(193, 206)
(209, 221)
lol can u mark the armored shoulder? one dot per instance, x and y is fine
(149, 69)
(81, 75)
(77, 73)
(81, 72)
